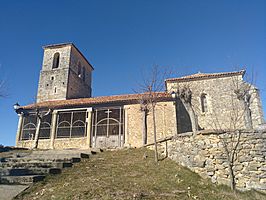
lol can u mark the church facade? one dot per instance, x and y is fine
(75, 119)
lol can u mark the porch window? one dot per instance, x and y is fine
(71, 124)
(45, 127)
(29, 127)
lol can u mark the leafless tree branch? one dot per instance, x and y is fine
(149, 88)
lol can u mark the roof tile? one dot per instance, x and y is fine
(127, 98)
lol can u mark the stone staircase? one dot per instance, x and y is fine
(24, 168)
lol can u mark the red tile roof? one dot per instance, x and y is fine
(200, 76)
(123, 99)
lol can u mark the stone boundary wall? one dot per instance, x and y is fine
(204, 154)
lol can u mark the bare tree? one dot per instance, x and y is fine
(144, 108)
(40, 115)
(231, 135)
(243, 94)
(230, 143)
(150, 89)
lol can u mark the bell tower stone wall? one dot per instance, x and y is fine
(65, 74)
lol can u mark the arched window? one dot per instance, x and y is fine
(83, 74)
(79, 70)
(203, 101)
(56, 60)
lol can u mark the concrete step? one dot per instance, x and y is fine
(27, 179)
(36, 164)
(28, 171)
(8, 192)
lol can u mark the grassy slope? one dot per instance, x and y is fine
(125, 174)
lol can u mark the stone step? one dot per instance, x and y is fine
(61, 155)
(21, 179)
(28, 171)
(36, 164)
(13, 172)
(70, 155)
(43, 159)
(32, 166)
(52, 151)
(96, 150)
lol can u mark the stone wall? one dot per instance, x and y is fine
(67, 143)
(256, 108)
(75, 59)
(53, 82)
(76, 87)
(165, 123)
(64, 82)
(204, 154)
(79, 86)
(59, 143)
(224, 110)
(43, 144)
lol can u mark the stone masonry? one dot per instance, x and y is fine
(204, 154)
(223, 109)
(165, 122)
(67, 81)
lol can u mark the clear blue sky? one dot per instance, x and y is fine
(120, 37)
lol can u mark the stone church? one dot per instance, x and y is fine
(75, 119)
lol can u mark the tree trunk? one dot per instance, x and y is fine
(144, 127)
(248, 118)
(154, 133)
(192, 116)
(36, 138)
(194, 121)
(232, 177)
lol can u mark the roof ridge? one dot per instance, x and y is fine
(206, 75)
(57, 44)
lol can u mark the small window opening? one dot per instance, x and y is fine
(47, 84)
(56, 60)
(83, 74)
(79, 70)
(203, 101)
(55, 90)
(63, 83)
(52, 78)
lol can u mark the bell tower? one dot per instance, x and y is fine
(65, 74)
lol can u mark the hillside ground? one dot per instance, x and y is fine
(131, 174)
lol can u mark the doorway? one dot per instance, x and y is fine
(108, 127)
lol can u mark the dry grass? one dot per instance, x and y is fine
(125, 174)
